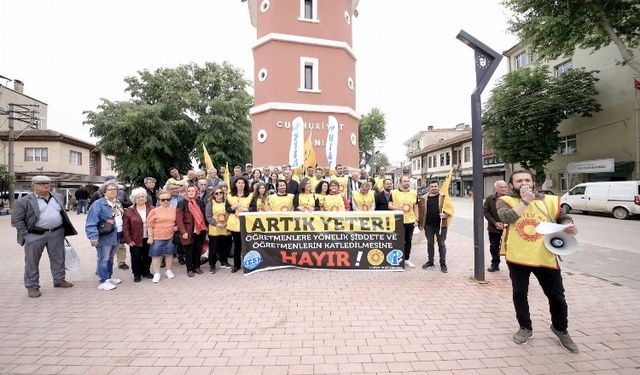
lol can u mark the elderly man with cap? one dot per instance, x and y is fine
(41, 221)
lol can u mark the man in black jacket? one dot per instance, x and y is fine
(383, 197)
(81, 195)
(495, 227)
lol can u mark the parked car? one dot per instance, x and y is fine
(621, 198)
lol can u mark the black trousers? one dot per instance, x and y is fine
(219, 247)
(408, 236)
(192, 251)
(441, 236)
(551, 282)
(494, 247)
(237, 249)
(140, 259)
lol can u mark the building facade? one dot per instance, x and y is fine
(304, 73)
(34, 115)
(599, 148)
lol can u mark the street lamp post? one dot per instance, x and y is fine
(486, 63)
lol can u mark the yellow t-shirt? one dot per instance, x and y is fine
(308, 201)
(233, 222)
(363, 202)
(263, 206)
(379, 183)
(220, 216)
(320, 198)
(281, 203)
(405, 201)
(314, 183)
(521, 244)
(333, 202)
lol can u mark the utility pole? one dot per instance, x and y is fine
(25, 113)
(486, 63)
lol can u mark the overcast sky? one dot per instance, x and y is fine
(70, 54)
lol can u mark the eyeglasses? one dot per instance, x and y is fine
(165, 199)
(112, 189)
(218, 193)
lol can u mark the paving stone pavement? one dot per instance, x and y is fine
(305, 322)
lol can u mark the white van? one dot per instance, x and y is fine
(621, 198)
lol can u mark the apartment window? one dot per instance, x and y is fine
(564, 182)
(467, 154)
(568, 145)
(456, 157)
(36, 154)
(309, 74)
(522, 60)
(563, 68)
(308, 10)
(111, 164)
(442, 159)
(429, 162)
(92, 161)
(448, 158)
(75, 158)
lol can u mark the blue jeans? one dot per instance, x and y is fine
(105, 261)
(82, 206)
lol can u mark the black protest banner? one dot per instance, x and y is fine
(328, 240)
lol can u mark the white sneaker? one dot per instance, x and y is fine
(156, 277)
(114, 281)
(169, 274)
(409, 264)
(106, 286)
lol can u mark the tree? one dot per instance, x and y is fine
(380, 159)
(371, 128)
(172, 111)
(522, 115)
(556, 28)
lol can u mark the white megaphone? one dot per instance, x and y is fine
(556, 240)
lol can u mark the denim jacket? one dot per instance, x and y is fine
(100, 211)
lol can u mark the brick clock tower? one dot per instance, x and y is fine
(304, 77)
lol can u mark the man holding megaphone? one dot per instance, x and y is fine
(523, 209)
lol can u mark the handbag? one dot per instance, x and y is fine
(105, 227)
(71, 258)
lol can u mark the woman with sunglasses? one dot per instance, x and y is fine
(219, 236)
(306, 200)
(238, 201)
(161, 224)
(192, 228)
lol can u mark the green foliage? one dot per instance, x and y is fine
(371, 128)
(380, 159)
(556, 28)
(172, 111)
(522, 115)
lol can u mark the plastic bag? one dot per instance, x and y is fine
(71, 258)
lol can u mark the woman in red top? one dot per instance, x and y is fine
(193, 228)
(135, 234)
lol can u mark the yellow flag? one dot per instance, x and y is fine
(309, 154)
(227, 178)
(207, 159)
(447, 205)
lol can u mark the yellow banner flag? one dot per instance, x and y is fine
(447, 204)
(207, 159)
(309, 154)
(227, 178)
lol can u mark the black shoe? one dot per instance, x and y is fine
(123, 266)
(137, 279)
(204, 260)
(225, 265)
(427, 265)
(181, 260)
(443, 269)
(235, 269)
(212, 270)
(34, 292)
(148, 276)
(493, 268)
